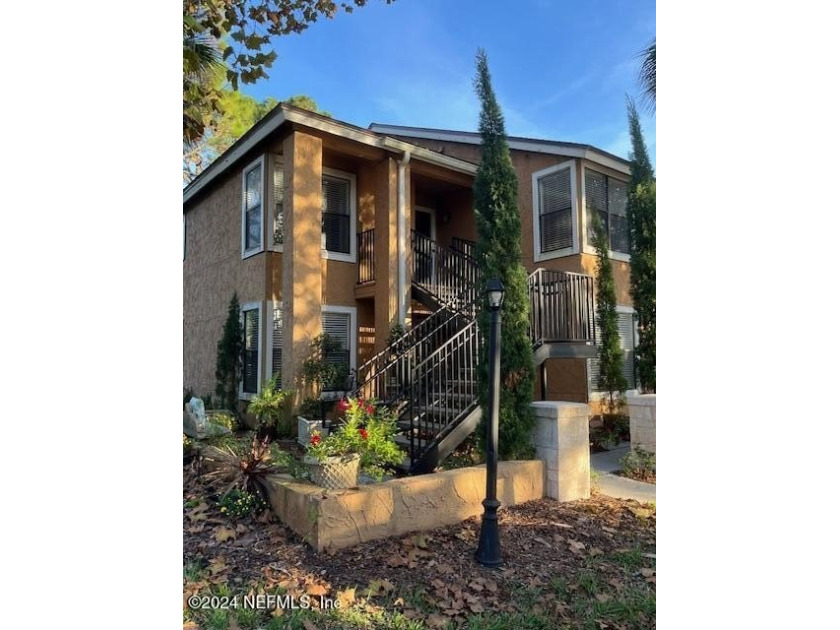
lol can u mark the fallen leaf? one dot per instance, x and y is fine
(595, 551)
(647, 572)
(316, 590)
(224, 533)
(476, 607)
(436, 621)
(641, 513)
(309, 625)
(346, 597)
(603, 597)
(217, 565)
(543, 541)
(476, 585)
(491, 586)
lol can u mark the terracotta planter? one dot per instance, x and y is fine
(335, 473)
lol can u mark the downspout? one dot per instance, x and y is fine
(401, 237)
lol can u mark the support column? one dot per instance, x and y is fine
(561, 437)
(642, 409)
(301, 252)
(387, 261)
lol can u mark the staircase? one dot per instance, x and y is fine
(429, 375)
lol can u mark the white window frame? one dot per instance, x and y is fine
(590, 249)
(354, 329)
(261, 162)
(273, 162)
(598, 395)
(251, 306)
(535, 194)
(351, 257)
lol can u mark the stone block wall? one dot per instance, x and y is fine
(642, 410)
(561, 439)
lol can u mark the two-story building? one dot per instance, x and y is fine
(321, 226)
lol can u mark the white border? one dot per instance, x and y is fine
(351, 257)
(586, 247)
(250, 306)
(535, 221)
(260, 161)
(274, 160)
(354, 329)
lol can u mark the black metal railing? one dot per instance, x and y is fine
(450, 276)
(444, 390)
(464, 246)
(367, 256)
(386, 375)
(562, 307)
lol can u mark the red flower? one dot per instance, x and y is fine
(363, 433)
(315, 439)
(369, 410)
(342, 404)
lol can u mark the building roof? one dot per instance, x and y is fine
(553, 147)
(284, 113)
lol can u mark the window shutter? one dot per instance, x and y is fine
(625, 331)
(337, 325)
(335, 208)
(278, 202)
(250, 363)
(626, 327)
(277, 347)
(596, 202)
(619, 229)
(555, 209)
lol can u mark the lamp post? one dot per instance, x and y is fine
(489, 551)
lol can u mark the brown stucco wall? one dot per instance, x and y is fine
(213, 271)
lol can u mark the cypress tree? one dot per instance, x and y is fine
(610, 379)
(641, 216)
(229, 357)
(499, 254)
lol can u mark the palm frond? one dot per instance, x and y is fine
(647, 75)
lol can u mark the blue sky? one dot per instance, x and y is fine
(560, 69)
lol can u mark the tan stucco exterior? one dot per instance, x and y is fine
(304, 281)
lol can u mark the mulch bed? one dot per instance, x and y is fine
(542, 542)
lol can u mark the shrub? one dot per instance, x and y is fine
(229, 357)
(268, 407)
(310, 408)
(318, 371)
(245, 471)
(225, 420)
(239, 503)
(639, 464)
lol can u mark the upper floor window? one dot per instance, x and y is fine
(252, 208)
(607, 197)
(278, 203)
(555, 220)
(337, 215)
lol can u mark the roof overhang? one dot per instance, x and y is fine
(286, 113)
(566, 149)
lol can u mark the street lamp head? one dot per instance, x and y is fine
(495, 293)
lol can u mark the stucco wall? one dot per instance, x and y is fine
(213, 271)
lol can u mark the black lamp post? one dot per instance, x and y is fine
(489, 551)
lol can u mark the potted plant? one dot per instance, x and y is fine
(364, 441)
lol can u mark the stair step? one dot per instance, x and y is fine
(406, 425)
(405, 442)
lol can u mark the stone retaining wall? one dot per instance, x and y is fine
(642, 409)
(333, 519)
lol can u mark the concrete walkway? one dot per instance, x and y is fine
(612, 485)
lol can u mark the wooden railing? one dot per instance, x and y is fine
(562, 307)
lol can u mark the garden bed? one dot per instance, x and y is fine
(334, 519)
(582, 564)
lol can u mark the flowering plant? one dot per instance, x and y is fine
(367, 431)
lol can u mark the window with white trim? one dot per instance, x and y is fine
(252, 208)
(627, 335)
(278, 203)
(555, 214)
(251, 349)
(338, 215)
(607, 197)
(338, 326)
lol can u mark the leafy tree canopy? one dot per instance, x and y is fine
(230, 38)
